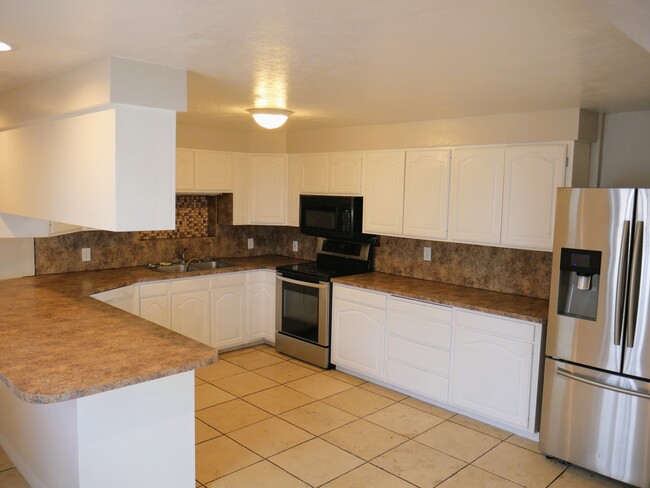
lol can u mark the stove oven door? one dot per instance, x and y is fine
(303, 309)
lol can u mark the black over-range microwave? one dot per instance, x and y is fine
(332, 217)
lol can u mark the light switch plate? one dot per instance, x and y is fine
(427, 254)
(251, 243)
(85, 254)
(294, 246)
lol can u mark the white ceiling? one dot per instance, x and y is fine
(351, 62)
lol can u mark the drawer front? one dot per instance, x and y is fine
(156, 289)
(260, 276)
(228, 279)
(419, 329)
(430, 311)
(190, 285)
(357, 295)
(502, 327)
(417, 381)
(419, 356)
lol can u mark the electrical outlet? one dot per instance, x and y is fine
(85, 254)
(427, 254)
(251, 243)
(295, 246)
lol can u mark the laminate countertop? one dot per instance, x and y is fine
(57, 343)
(513, 306)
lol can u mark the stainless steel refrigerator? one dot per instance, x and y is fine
(596, 397)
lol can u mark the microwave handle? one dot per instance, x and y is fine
(304, 283)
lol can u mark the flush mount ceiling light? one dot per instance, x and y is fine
(5, 47)
(270, 118)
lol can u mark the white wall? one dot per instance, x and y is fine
(626, 150)
(16, 258)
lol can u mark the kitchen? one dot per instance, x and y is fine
(480, 266)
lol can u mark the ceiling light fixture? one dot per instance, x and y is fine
(5, 47)
(270, 118)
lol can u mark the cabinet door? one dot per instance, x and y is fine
(293, 199)
(227, 312)
(125, 298)
(241, 189)
(314, 173)
(426, 194)
(268, 189)
(476, 195)
(345, 173)
(213, 171)
(358, 338)
(383, 192)
(260, 304)
(184, 169)
(156, 310)
(191, 315)
(532, 175)
(491, 375)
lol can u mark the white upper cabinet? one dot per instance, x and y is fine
(329, 173)
(268, 185)
(314, 173)
(383, 192)
(201, 171)
(184, 169)
(426, 194)
(476, 195)
(241, 182)
(532, 175)
(345, 173)
(293, 199)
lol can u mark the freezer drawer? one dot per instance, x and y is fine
(600, 429)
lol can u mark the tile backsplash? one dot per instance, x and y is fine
(202, 235)
(513, 271)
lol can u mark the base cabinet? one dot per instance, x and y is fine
(260, 306)
(227, 310)
(475, 363)
(125, 298)
(190, 308)
(359, 331)
(154, 303)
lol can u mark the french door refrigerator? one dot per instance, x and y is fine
(596, 399)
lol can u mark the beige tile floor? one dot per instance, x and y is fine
(266, 420)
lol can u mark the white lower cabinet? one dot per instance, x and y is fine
(260, 305)
(190, 308)
(154, 303)
(417, 347)
(495, 367)
(227, 310)
(359, 331)
(125, 298)
(481, 364)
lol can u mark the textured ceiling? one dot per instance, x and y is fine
(351, 62)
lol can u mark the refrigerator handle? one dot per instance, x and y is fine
(635, 282)
(622, 281)
(582, 379)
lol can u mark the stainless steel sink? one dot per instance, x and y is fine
(169, 268)
(191, 266)
(209, 264)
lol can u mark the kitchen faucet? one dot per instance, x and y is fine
(180, 254)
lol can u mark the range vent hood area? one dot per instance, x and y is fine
(94, 147)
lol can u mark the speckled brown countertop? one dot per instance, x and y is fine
(57, 343)
(513, 306)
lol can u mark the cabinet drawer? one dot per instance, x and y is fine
(412, 379)
(190, 284)
(489, 324)
(370, 299)
(154, 289)
(264, 276)
(419, 356)
(229, 279)
(430, 311)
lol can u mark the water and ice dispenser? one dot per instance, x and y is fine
(579, 277)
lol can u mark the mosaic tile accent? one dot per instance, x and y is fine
(192, 219)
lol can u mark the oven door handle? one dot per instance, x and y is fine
(319, 285)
